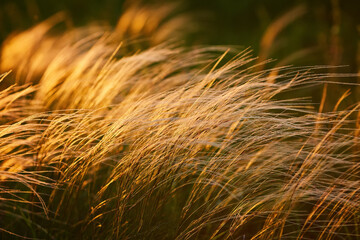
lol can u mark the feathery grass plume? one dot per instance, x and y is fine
(20, 47)
(19, 180)
(168, 143)
(138, 20)
(158, 22)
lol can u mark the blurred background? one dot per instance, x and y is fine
(297, 32)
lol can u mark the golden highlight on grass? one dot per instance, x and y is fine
(166, 143)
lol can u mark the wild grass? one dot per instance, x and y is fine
(167, 143)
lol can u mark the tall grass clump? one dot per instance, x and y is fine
(102, 142)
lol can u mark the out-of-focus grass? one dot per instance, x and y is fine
(107, 138)
(324, 33)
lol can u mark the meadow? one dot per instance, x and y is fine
(105, 135)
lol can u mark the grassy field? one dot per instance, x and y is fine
(105, 135)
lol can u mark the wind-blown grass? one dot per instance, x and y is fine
(166, 143)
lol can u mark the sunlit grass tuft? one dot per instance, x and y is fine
(167, 143)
